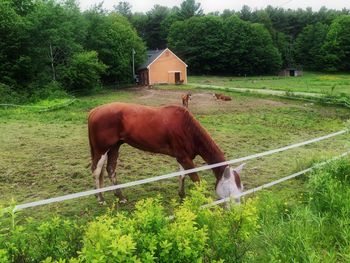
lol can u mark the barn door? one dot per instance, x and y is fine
(177, 77)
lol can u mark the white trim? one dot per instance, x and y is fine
(162, 54)
(149, 77)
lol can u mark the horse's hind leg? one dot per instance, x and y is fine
(97, 171)
(111, 166)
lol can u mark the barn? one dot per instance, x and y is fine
(162, 67)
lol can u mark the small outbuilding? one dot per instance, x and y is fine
(162, 67)
(291, 72)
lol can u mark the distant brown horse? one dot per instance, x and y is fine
(170, 130)
(219, 96)
(185, 98)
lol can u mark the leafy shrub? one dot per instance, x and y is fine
(50, 91)
(146, 236)
(84, 72)
(56, 238)
(8, 95)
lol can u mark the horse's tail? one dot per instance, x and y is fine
(92, 152)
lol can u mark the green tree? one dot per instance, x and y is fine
(139, 21)
(232, 46)
(198, 40)
(155, 36)
(249, 48)
(22, 7)
(124, 8)
(308, 46)
(337, 45)
(113, 37)
(283, 43)
(11, 30)
(245, 13)
(84, 71)
(57, 32)
(189, 8)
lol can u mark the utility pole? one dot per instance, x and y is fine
(133, 64)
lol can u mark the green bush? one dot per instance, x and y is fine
(56, 238)
(145, 236)
(84, 72)
(9, 95)
(315, 228)
(50, 91)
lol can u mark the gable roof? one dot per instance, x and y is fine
(153, 55)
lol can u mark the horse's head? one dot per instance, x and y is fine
(216, 95)
(230, 183)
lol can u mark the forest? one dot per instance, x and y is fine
(50, 48)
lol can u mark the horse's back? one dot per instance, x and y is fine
(144, 127)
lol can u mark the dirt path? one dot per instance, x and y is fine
(260, 91)
(203, 102)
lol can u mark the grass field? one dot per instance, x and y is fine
(330, 84)
(45, 154)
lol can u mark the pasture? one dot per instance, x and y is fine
(330, 84)
(45, 154)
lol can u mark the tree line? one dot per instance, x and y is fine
(50, 46)
(248, 41)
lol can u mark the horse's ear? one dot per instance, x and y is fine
(239, 169)
(227, 172)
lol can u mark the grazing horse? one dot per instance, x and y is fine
(185, 99)
(221, 97)
(169, 130)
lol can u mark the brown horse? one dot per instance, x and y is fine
(219, 96)
(168, 130)
(185, 99)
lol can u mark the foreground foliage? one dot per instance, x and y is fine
(314, 227)
(146, 235)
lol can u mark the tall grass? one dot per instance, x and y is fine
(317, 230)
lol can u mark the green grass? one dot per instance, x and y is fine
(44, 154)
(330, 84)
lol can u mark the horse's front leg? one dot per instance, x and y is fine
(186, 164)
(111, 166)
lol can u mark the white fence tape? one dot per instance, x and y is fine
(42, 108)
(166, 176)
(267, 185)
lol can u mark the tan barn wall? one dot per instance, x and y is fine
(163, 69)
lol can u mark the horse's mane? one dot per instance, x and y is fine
(202, 139)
